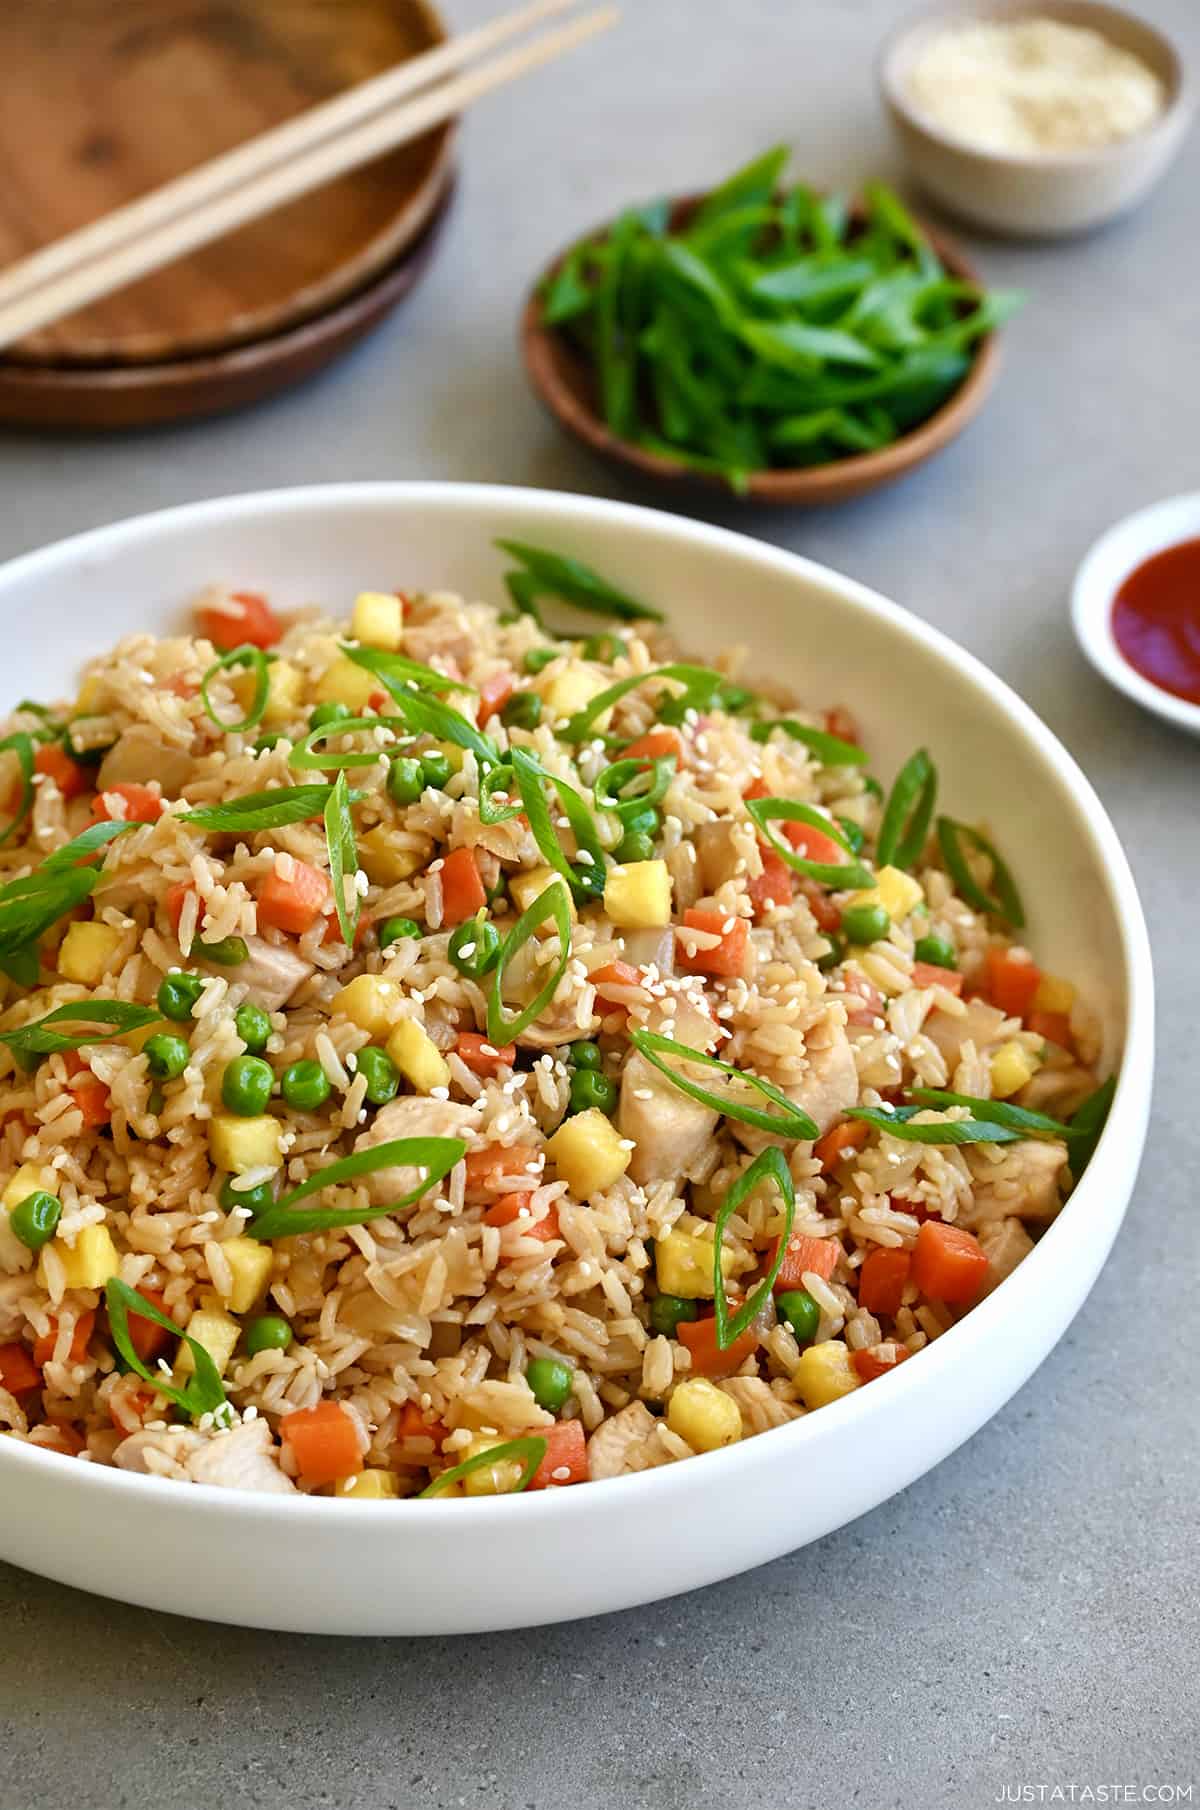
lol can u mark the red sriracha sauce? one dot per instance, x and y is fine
(1156, 620)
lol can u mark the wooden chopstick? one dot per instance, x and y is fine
(314, 153)
(249, 160)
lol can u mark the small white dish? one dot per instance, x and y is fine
(1036, 197)
(316, 1565)
(1109, 562)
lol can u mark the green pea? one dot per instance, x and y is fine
(383, 1077)
(605, 648)
(305, 1085)
(177, 994)
(666, 1312)
(538, 658)
(853, 832)
(246, 1085)
(551, 1382)
(637, 847)
(265, 743)
(35, 1219)
(936, 951)
(253, 1026)
(167, 1054)
(835, 953)
(270, 1332)
(257, 1199)
(801, 1313)
(436, 768)
(405, 781)
(230, 952)
(474, 947)
(585, 1055)
(865, 923)
(642, 822)
(590, 1088)
(523, 711)
(393, 929)
(325, 715)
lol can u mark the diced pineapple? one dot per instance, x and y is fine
(370, 1002)
(683, 1265)
(825, 1374)
(368, 1486)
(454, 754)
(285, 690)
(86, 951)
(417, 1056)
(564, 693)
(588, 1153)
(346, 683)
(251, 1264)
(700, 1413)
(90, 693)
(1012, 1066)
(90, 1262)
(497, 1479)
(378, 620)
(30, 1178)
(237, 1144)
(637, 896)
(217, 1331)
(530, 885)
(897, 892)
(1054, 995)
(384, 861)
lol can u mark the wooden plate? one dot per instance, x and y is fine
(566, 385)
(90, 397)
(101, 100)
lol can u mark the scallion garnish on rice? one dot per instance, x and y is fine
(432, 1157)
(993, 1112)
(255, 660)
(552, 903)
(1006, 902)
(263, 810)
(584, 877)
(101, 1019)
(308, 755)
(203, 1393)
(908, 814)
(899, 1123)
(850, 873)
(701, 684)
(422, 713)
(343, 857)
(617, 787)
(530, 1449)
(21, 745)
(66, 878)
(790, 1121)
(548, 574)
(769, 1165)
(830, 750)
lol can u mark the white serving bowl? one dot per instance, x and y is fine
(316, 1565)
(1036, 197)
(1106, 566)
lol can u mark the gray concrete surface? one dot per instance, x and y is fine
(1024, 1617)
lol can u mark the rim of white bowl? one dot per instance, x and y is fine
(981, 1325)
(1103, 569)
(1180, 101)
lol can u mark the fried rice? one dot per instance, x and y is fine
(577, 1281)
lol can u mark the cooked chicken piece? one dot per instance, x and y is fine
(668, 1129)
(243, 1458)
(615, 1442)
(979, 1025)
(724, 850)
(758, 1404)
(828, 1089)
(1005, 1243)
(160, 1454)
(1015, 1180)
(271, 972)
(437, 628)
(414, 1117)
(141, 754)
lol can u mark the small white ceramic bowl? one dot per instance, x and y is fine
(323, 1566)
(1104, 569)
(1036, 197)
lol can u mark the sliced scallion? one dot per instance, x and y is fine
(102, 1019)
(1006, 903)
(552, 902)
(554, 575)
(790, 1121)
(530, 1449)
(830, 750)
(21, 745)
(769, 1165)
(908, 814)
(900, 1124)
(256, 660)
(343, 856)
(203, 1393)
(264, 810)
(434, 1157)
(842, 875)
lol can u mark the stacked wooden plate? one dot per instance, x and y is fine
(101, 100)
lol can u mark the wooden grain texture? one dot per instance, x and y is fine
(566, 384)
(107, 398)
(101, 100)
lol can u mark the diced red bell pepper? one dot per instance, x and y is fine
(728, 957)
(483, 1057)
(253, 622)
(508, 1210)
(655, 746)
(878, 1360)
(494, 694)
(1011, 982)
(851, 1134)
(175, 896)
(18, 1371)
(839, 722)
(928, 974)
(819, 1255)
(293, 905)
(462, 889)
(67, 774)
(412, 1424)
(773, 886)
(141, 804)
(566, 1456)
(864, 1002)
(43, 1347)
(813, 844)
(1055, 1027)
(708, 1359)
(881, 1281)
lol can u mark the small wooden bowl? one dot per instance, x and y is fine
(566, 385)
